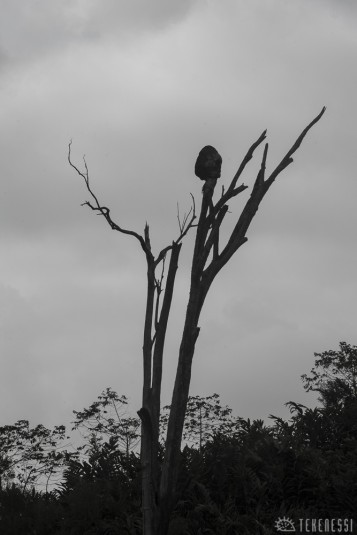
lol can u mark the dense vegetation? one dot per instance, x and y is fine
(237, 476)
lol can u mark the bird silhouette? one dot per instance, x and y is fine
(208, 163)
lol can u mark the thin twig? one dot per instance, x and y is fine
(103, 210)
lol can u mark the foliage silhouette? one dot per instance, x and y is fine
(106, 418)
(239, 479)
(29, 456)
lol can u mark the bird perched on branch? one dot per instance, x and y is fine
(208, 168)
(208, 163)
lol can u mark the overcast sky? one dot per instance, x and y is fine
(140, 87)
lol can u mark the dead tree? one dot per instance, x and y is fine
(159, 482)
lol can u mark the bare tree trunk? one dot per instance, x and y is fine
(150, 411)
(159, 488)
(190, 334)
(155, 327)
(203, 273)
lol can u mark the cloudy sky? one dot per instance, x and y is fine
(140, 87)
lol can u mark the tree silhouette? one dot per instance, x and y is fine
(203, 417)
(31, 456)
(106, 419)
(209, 257)
(334, 376)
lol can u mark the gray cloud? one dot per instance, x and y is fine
(140, 94)
(39, 28)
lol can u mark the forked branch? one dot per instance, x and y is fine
(261, 185)
(103, 210)
(232, 191)
(209, 225)
(144, 240)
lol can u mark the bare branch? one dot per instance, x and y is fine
(235, 191)
(185, 217)
(158, 287)
(147, 237)
(287, 160)
(187, 224)
(213, 239)
(184, 228)
(103, 210)
(160, 333)
(260, 188)
(232, 190)
(178, 217)
(259, 181)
